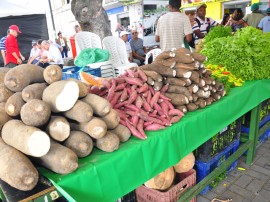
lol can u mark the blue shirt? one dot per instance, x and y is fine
(265, 24)
(2, 43)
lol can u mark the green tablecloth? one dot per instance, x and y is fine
(108, 176)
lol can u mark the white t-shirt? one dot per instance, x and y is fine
(128, 48)
(35, 52)
(55, 54)
(171, 29)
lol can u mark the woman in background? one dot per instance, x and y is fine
(236, 16)
(225, 19)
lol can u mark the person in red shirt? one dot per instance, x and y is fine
(13, 54)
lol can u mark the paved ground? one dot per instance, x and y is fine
(250, 185)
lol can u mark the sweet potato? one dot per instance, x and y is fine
(80, 143)
(83, 87)
(3, 71)
(109, 143)
(177, 99)
(58, 128)
(16, 169)
(96, 128)
(122, 132)
(5, 93)
(154, 75)
(100, 106)
(35, 113)
(80, 112)
(14, 104)
(61, 95)
(33, 91)
(111, 119)
(52, 73)
(59, 159)
(21, 76)
(27, 139)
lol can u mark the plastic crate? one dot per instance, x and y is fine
(205, 168)
(264, 115)
(182, 182)
(74, 72)
(219, 142)
(130, 197)
(245, 129)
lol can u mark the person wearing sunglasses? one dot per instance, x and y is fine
(137, 48)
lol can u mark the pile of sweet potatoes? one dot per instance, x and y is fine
(52, 122)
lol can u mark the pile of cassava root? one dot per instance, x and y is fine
(51, 122)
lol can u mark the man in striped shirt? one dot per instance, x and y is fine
(173, 27)
(3, 47)
(202, 24)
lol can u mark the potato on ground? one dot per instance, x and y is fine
(4, 117)
(186, 164)
(35, 113)
(27, 139)
(3, 71)
(21, 76)
(58, 128)
(14, 104)
(5, 93)
(100, 105)
(109, 143)
(59, 159)
(162, 181)
(83, 87)
(52, 73)
(33, 91)
(111, 119)
(122, 132)
(80, 112)
(61, 95)
(16, 169)
(80, 143)
(96, 128)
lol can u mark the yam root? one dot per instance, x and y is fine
(170, 63)
(5, 93)
(21, 76)
(185, 164)
(83, 87)
(96, 128)
(180, 90)
(80, 112)
(162, 181)
(27, 139)
(182, 73)
(201, 103)
(158, 85)
(33, 91)
(52, 73)
(174, 81)
(59, 159)
(182, 108)
(61, 95)
(162, 70)
(58, 128)
(165, 55)
(183, 58)
(122, 132)
(3, 71)
(109, 143)
(193, 88)
(100, 105)
(4, 117)
(191, 107)
(150, 81)
(153, 75)
(14, 104)
(195, 77)
(177, 99)
(16, 169)
(35, 113)
(80, 143)
(187, 81)
(199, 57)
(190, 66)
(111, 119)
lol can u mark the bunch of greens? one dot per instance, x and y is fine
(217, 32)
(246, 54)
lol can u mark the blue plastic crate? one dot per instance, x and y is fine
(74, 72)
(245, 129)
(205, 168)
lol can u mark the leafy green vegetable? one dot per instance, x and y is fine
(217, 32)
(246, 54)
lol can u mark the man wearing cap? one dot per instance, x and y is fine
(34, 54)
(173, 27)
(124, 37)
(13, 54)
(136, 44)
(3, 47)
(54, 55)
(264, 24)
(202, 24)
(251, 19)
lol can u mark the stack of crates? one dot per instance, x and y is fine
(183, 181)
(264, 120)
(215, 151)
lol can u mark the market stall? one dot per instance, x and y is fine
(106, 177)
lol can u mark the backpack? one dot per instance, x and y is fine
(192, 42)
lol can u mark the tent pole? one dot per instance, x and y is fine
(52, 17)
